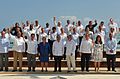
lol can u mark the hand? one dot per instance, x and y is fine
(54, 18)
(95, 21)
(111, 51)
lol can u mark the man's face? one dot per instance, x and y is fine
(58, 38)
(87, 36)
(44, 39)
(69, 37)
(3, 34)
(32, 37)
(110, 35)
(19, 34)
(36, 23)
(90, 22)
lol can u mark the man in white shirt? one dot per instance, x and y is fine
(75, 36)
(53, 36)
(58, 28)
(111, 45)
(36, 26)
(19, 47)
(113, 24)
(85, 50)
(41, 35)
(80, 30)
(31, 53)
(63, 39)
(4, 43)
(70, 53)
(68, 27)
(58, 51)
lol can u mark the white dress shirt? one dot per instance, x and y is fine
(67, 28)
(63, 38)
(32, 47)
(58, 48)
(111, 45)
(114, 25)
(19, 45)
(53, 36)
(4, 43)
(58, 29)
(70, 48)
(79, 30)
(86, 46)
(76, 38)
(41, 35)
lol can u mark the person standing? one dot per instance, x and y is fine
(4, 43)
(63, 39)
(44, 50)
(31, 53)
(75, 36)
(58, 52)
(53, 36)
(98, 52)
(91, 26)
(111, 45)
(70, 53)
(19, 48)
(85, 49)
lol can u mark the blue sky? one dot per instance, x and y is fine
(12, 11)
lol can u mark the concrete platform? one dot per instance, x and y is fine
(59, 76)
(64, 71)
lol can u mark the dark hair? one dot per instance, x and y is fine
(54, 28)
(32, 34)
(97, 39)
(102, 22)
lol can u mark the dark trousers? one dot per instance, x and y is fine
(31, 61)
(57, 62)
(64, 53)
(80, 40)
(4, 61)
(111, 58)
(85, 59)
(76, 51)
(51, 44)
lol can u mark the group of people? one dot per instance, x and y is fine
(59, 42)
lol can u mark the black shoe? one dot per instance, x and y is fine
(28, 70)
(14, 70)
(68, 71)
(33, 70)
(74, 71)
(6, 70)
(20, 70)
(46, 71)
(108, 70)
(87, 70)
(41, 70)
(114, 70)
(60, 71)
(55, 71)
(1, 69)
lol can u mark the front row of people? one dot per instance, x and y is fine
(86, 51)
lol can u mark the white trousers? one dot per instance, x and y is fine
(70, 61)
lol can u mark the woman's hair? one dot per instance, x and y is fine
(96, 41)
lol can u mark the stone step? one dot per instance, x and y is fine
(64, 62)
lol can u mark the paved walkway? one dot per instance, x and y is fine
(53, 76)
(102, 74)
